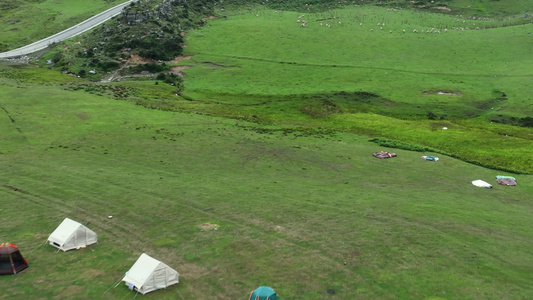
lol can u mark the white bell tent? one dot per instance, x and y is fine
(149, 274)
(72, 235)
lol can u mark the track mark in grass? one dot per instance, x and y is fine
(209, 63)
(15, 189)
(12, 121)
(491, 75)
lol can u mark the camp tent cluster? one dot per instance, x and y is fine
(146, 275)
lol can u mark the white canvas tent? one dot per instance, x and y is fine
(72, 235)
(148, 274)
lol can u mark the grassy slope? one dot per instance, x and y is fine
(270, 55)
(350, 57)
(24, 22)
(302, 214)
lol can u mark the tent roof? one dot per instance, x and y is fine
(263, 292)
(67, 228)
(6, 248)
(143, 269)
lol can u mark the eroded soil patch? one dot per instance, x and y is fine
(207, 226)
(443, 92)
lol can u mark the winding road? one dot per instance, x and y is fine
(68, 33)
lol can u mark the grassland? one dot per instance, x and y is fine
(302, 213)
(264, 63)
(269, 143)
(24, 22)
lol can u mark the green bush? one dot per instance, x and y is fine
(402, 145)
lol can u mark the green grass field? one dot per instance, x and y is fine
(264, 63)
(24, 22)
(269, 143)
(270, 53)
(302, 213)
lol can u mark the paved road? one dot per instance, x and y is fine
(68, 33)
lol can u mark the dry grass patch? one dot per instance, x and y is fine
(180, 58)
(178, 70)
(192, 271)
(92, 273)
(208, 226)
(70, 291)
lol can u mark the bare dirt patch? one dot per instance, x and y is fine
(193, 271)
(178, 70)
(92, 273)
(207, 226)
(180, 58)
(40, 280)
(41, 235)
(82, 116)
(442, 92)
(449, 93)
(70, 291)
(138, 60)
(213, 64)
(442, 8)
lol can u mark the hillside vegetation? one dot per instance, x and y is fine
(344, 71)
(469, 74)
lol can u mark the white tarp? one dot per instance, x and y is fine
(482, 184)
(148, 274)
(72, 235)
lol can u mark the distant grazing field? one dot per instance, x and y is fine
(24, 22)
(467, 74)
(315, 216)
(267, 52)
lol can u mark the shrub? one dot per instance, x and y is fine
(402, 145)
(526, 122)
(57, 57)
